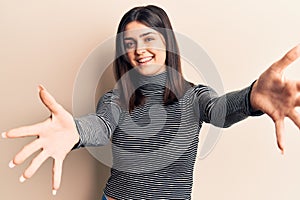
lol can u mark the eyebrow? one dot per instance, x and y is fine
(142, 35)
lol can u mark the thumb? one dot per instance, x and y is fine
(48, 100)
(287, 59)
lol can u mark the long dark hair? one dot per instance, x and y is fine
(157, 19)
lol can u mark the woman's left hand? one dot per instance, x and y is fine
(277, 96)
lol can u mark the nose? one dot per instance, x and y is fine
(140, 48)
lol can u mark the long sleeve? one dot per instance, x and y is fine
(225, 110)
(96, 129)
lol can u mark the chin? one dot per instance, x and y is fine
(148, 70)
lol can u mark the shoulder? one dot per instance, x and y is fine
(198, 89)
(112, 96)
(199, 94)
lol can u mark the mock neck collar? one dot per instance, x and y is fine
(150, 83)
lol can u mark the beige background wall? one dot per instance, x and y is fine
(46, 42)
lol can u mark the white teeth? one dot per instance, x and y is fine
(143, 60)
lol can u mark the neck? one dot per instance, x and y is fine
(158, 81)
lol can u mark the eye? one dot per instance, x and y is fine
(129, 45)
(149, 39)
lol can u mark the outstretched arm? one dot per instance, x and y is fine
(277, 96)
(60, 133)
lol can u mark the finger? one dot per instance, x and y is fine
(297, 103)
(57, 172)
(31, 130)
(27, 151)
(35, 164)
(298, 85)
(279, 125)
(287, 59)
(48, 100)
(295, 117)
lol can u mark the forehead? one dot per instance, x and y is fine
(136, 29)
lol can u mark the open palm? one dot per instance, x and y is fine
(277, 96)
(55, 138)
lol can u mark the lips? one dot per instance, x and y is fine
(144, 60)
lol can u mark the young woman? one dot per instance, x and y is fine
(154, 116)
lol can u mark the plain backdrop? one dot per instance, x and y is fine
(46, 42)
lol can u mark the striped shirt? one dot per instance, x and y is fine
(154, 147)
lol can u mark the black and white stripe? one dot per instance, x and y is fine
(155, 146)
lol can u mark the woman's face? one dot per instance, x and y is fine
(145, 48)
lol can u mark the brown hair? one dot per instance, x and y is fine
(156, 18)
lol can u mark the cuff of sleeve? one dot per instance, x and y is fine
(79, 143)
(252, 112)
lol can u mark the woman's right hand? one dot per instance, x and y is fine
(56, 136)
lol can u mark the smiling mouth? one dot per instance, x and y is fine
(143, 61)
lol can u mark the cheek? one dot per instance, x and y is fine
(160, 56)
(130, 57)
(160, 52)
